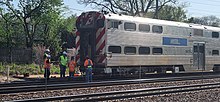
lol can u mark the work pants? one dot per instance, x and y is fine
(89, 75)
(47, 73)
(71, 74)
(62, 70)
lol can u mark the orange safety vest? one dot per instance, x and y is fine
(72, 65)
(46, 63)
(88, 63)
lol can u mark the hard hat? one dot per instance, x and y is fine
(48, 50)
(48, 56)
(87, 57)
(64, 52)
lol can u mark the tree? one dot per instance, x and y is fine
(172, 13)
(130, 7)
(69, 23)
(68, 31)
(6, 30)
(29, 13)
(206, 20)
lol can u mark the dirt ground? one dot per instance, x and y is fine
(3, 79)
(42, 76)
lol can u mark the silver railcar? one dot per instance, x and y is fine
(125, 43)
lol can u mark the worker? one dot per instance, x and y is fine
(47, 67)
(63, 64)
(88, 65)
(72, 66)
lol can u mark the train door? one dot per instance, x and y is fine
(87, 44)
(199, 56)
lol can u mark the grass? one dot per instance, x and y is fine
(32, 69)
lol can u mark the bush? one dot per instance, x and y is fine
(32, 69)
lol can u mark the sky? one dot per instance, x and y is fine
(199, 8)
(75, 8)
(195, 8)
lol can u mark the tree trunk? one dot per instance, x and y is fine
(156, 11)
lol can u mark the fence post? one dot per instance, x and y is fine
(8, 69)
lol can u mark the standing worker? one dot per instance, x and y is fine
(63, 64)
(47, 67)
(88, 65)
(72, 65)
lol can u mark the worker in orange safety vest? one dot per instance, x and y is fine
(47, 67)
(72, 65)
(88, 65)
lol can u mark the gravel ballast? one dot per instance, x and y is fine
(166, 98)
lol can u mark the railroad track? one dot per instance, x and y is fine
(127, 93)
(100, 78)
(33, 88)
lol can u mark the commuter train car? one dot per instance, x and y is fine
(120, 43)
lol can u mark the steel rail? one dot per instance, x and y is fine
(7, 90)
(98, 78)
(127, 93)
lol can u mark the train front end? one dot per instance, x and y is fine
(91, 38)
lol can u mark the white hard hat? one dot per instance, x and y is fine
(64, 52)
(47, 50)
(48, 56)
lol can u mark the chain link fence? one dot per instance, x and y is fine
(16, 55)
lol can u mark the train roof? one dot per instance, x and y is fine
(160, 22)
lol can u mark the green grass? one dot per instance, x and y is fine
(21, 69)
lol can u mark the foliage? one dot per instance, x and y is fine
(32, 69)
(131, 7)
(69, 23)
(35, 22)
(206, 20)
(172, 13)
(30, 12)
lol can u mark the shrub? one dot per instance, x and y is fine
(32, 69)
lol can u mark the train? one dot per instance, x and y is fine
(127, 44)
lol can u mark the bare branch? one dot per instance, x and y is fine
(131, 7)
(148, 6)
(13, 10)
(99, 4)
(117, 6)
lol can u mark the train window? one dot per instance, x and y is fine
(215, 52)
(201, 49)
(129, 26)
(157, 51)
(144, 27)
(195, 49)
(130, 50)
(114, 49)
(114, 24)
(157, 29)
(198, 32)
(144, 50)
(215, 34)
